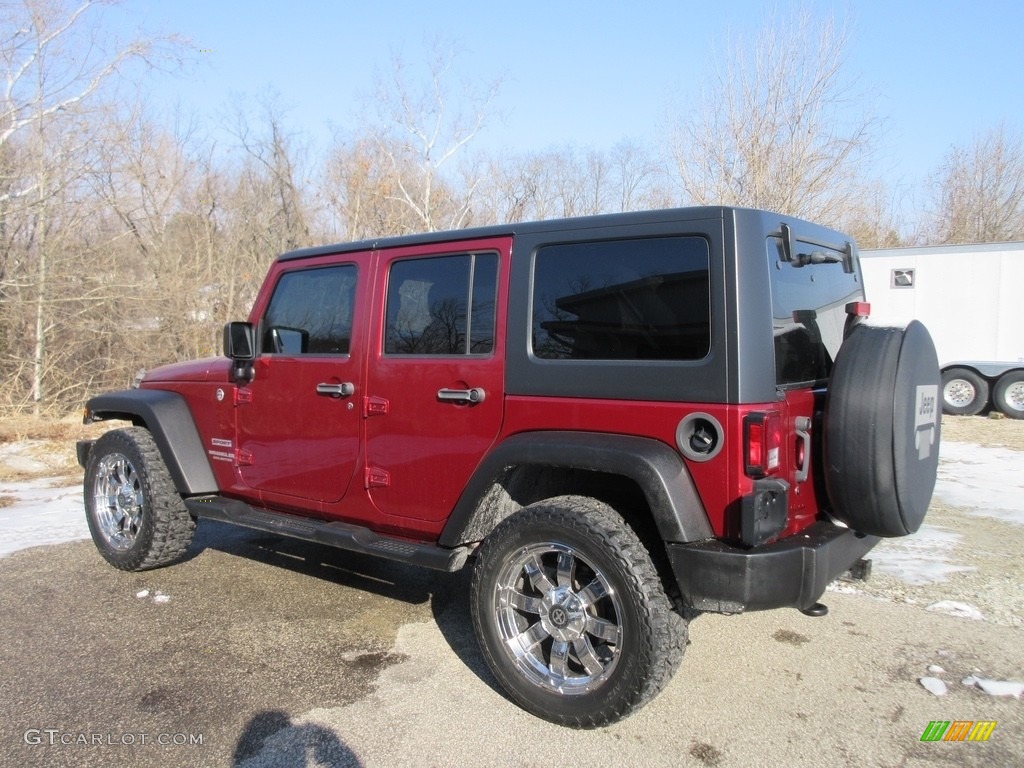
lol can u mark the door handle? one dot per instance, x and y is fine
(474, 395)
(336, 390)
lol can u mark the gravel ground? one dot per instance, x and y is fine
(987, 549)
(284, 654)
(1008, 433)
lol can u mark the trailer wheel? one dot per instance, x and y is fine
(964, 392)
(1009, 394)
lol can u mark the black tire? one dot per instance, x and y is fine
(136, 516)
(964, 392)
(1009, 394)
(882, 429)
(598, 637)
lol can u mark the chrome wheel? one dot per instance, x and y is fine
(1009, 394)
(119, 501)
(558, 618)
(959, 393)
(964, 392)
(1015, 396)
(136, 516)
(571, 614)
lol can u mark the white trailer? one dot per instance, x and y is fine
(971, 298)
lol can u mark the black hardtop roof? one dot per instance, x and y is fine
(504, 230)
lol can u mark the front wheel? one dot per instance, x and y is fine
(571, 614)
(136, 516)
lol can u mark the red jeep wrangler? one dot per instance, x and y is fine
(621, 421)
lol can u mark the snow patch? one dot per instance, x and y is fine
(985, 481)
(41, 515)
(981, 480)
(923, 558)
(933, 685)
(157, 597)
(995, 687)
(16, 456)
(955, 608)
(842, 588)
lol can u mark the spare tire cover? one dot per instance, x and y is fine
(882, 425)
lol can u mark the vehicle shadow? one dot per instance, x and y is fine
(447, 593)
(385, 578)
(450, 607)
(289, 744)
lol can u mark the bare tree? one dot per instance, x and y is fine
(640, 179)
(570, 182)
(422, 133)
(362, 192)
(980, 191)
(872, 219)
(55, 64)
(778, 125)
(266, 210)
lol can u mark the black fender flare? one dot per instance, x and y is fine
(656, 468)
(167, 416)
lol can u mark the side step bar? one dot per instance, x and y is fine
(332, 534)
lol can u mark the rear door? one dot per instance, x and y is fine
(435, 379)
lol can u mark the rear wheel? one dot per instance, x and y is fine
(571, 615)
(136, 516)
(964, 392)
(1009, 394)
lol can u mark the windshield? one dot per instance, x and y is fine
(809, 301)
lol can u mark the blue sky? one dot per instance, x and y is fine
(592, 73)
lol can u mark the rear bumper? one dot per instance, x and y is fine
(794, 572)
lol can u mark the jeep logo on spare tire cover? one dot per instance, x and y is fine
(882, 429)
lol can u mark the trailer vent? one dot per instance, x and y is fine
(902, 278)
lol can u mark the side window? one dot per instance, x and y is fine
(641, 299)
(310, 312)
(443, 305)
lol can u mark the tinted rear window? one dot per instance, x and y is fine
(808, 313)
(637, 299)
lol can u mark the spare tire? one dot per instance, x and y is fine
(882, 425)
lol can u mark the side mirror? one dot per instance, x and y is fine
(240, 346)
(240, 341)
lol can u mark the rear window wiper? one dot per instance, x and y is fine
(842, 256)
(816, 257)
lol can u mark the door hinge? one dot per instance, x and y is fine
(377, 477)
(243, 395)
(243, 458)
(375, 406)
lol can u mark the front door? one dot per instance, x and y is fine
(434, 393)
(298, 423)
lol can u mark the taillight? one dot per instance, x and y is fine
(762, 437)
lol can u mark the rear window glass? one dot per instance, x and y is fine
(808, 312)
(637, 299)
